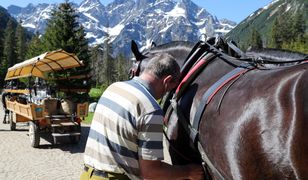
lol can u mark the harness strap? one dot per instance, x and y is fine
(210, 93)
(197, 52)
(182, 118)
(208, 162)
(192, 74)
(236, 49)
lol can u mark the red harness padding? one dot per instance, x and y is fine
(192, 74)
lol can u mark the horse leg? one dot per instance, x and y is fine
(4, 118)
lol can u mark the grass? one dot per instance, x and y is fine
(89, 118)
(95, 94)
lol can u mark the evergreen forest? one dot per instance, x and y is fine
(63, 32)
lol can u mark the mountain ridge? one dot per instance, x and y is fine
(144, 21)
(263, 20)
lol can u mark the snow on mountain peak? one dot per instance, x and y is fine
(124, 20)
(177, 11)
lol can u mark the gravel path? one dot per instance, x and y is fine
(20, 161)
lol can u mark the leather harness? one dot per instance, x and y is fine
(197, 65)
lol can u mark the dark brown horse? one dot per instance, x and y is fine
(254, 122)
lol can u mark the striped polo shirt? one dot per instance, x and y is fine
(127, 125)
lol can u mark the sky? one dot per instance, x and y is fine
(235, 10)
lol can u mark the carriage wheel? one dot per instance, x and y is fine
(12, 121)
(34, 134)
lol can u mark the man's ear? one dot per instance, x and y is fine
(167, 79)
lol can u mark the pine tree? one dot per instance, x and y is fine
(255, 40)
(1, 45)
(298, 27)
(9, 51)
(62, 28)
(20, 43)
(82, 51)
(275, 35)
(109, 71)
(97, 64)
(122, 70)
(64, 32)
(34, 47)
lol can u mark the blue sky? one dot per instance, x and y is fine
(235, 10)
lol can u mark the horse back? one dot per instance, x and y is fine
(257, 127)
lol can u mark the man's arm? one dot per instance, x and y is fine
(160, 170)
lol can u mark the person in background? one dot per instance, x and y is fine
(126, 135)
(6, 111)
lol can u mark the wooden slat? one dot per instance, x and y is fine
(17, 91)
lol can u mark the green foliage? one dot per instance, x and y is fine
(255, 40)
(13, 42)
(121, 66)
(109, 69)
(288, 32)
(281, 25)
(34, 47)
(9, 50)
(275, 36)
(4, 18)
(62, 29)
(89, 118)
(21, 46)
(64, 32)
(297, 45)
(103, 87)
(95, 94)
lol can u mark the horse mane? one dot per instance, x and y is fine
(172, 46)
(275, 54)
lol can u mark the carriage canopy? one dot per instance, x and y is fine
(40, 65)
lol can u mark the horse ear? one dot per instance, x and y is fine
(153, 44)
(136, 52)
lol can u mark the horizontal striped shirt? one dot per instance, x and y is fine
(127, 125)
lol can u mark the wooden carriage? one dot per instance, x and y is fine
(47, 114)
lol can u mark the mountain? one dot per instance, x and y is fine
(263, 19)
(121, 21)
(4, 18)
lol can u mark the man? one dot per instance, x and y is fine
(125, 139)
(6, 111)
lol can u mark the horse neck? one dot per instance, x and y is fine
(179, 52)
